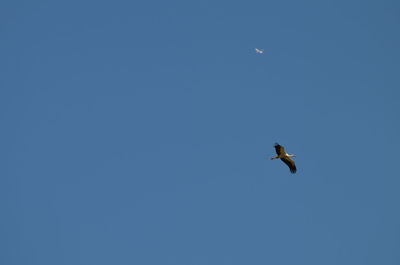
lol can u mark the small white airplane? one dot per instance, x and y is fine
(259, 51)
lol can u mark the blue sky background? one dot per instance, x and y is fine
(140, 132)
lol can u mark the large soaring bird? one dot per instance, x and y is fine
(285, 157)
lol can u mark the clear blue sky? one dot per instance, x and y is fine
(140, 132)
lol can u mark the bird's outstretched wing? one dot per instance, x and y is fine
(290, 163)
(279, 149)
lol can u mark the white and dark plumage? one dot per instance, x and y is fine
(259, 51)
(285, 157)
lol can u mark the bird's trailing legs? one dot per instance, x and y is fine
(277, 157)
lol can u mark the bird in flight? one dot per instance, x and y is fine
(285, 157)
(259, 51)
